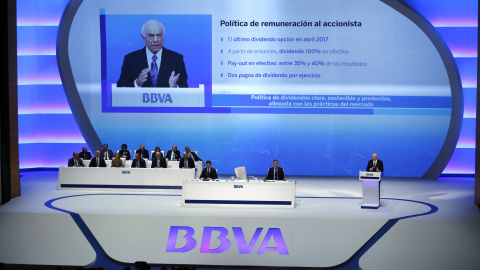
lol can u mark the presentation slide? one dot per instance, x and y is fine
(318, 85)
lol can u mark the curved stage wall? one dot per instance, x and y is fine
(414, 133)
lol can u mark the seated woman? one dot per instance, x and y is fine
(124, 152)
(117, 161)
(157, 149)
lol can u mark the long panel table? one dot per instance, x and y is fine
(143, 179)
(239, 193)
(170, 164)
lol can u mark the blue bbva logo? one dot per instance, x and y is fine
(125, 172)
(157, 98)
(237, 186)
(223, 243)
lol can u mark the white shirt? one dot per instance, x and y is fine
(150, 60)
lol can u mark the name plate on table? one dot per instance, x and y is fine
(372, 176)
(158, 97)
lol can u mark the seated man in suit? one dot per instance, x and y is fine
(143, 152)
(275, 173)
(106, 153)
(209, 172)
(153, 65)
(138, 162)
(98, 161)
(186, 162)
(375, 165)
(191, 155)
(117, 162)
(85, 155)
(124, 152)
(173, 154)
(75, 161)
(158, 161)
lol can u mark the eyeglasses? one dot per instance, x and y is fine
(152, 36)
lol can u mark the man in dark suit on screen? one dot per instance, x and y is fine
(275, 173)
(158, 161)
(375, 165)
(138, 162)
(75, 161)
(209, 172)
(97, 161)
(154, 65)
(186, 162)
(106, 153)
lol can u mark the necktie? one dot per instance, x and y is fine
(98, 162)
(138, 163)
(185, 163)
(106, 154)
(158, 163)
(208, 172)
(374, 165)
(154, 70)
(76, 163)
(275, 174)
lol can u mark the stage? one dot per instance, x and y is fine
(421, 224)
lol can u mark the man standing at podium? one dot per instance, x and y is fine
(375, 165)
(275, 173)
(153, 65)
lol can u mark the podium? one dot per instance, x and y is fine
(371, 189)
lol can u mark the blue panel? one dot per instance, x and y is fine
(47, 154)
(468, 71)
(470, 102)
(35, 69)
(42, 99)
(462, 161)
(34, 128)
(37, 40)
(462, 41)
(467, 134)
(447, 12)
(35, 12)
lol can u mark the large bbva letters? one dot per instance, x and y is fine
(224, 245)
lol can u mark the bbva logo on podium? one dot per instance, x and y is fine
(224, 243)
(156, 98)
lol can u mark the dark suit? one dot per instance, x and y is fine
(212, 174)
(144, 154)
(177, 155)
(85, 155)
(191, 163)
(127, 153)
(101, 162)
(379, 165)
(163, 162)
(143, 164)
(71, 163)
(136, 61)
(109, 153)
(194, 156)
(271, 174)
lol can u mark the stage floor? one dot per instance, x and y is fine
(421, 224)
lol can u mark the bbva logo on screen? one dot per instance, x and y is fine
(156, 98)
(223, 243)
